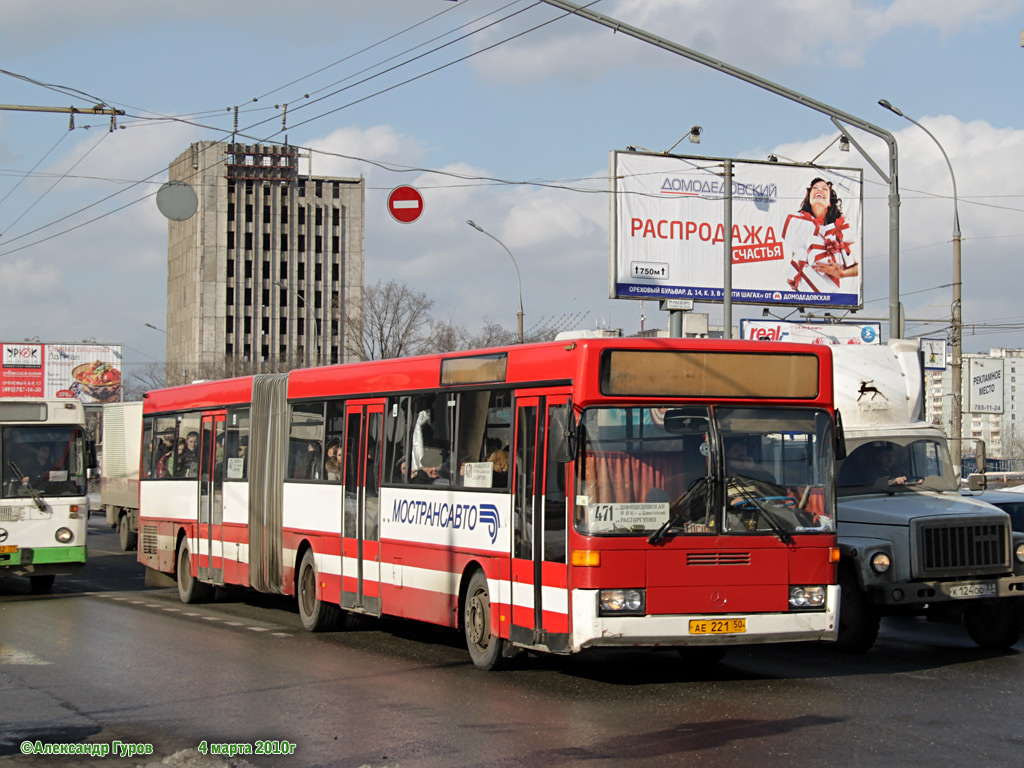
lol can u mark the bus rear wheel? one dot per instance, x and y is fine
(486, 650)
(316, 615)
(190, 589)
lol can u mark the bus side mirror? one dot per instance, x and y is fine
(840, 438)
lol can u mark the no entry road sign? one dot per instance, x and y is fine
(405, 204)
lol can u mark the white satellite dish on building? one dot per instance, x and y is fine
(177, 200)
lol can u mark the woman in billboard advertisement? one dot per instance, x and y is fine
(815, 240)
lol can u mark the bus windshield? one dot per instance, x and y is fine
(705, 470)
(42, 460)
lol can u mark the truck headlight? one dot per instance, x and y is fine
(621, 601)
(880, 562)
(806, 598)
(64, 535)
(1019, 553)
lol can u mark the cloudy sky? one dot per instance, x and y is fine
(504, 112)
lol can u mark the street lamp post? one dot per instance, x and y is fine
(956, 368)
(477, 227)
(316, 320)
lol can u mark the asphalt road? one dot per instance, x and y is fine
(103, 659)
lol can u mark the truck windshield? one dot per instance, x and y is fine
(43, 460)
(704, 470)
(896, 465)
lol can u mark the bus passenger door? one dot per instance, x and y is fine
(360, 516)
(540, 590)
(210, 567)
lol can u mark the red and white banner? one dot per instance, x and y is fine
(797, 231)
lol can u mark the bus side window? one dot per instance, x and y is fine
(396, 467)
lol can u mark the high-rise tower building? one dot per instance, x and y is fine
(268, 273)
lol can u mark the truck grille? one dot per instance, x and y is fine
(957, 547)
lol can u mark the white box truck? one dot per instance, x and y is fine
(119, 469)
(911, 544)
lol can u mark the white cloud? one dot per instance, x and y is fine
(760, 38)
(990, 191)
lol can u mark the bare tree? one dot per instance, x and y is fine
(396, 321)
(140, 380)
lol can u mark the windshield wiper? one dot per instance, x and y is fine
(683, 503)
(36, 496)
(734, 481)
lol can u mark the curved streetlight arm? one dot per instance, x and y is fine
(807, 101)
(478, 228)
(956, 213)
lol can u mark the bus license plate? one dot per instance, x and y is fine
(972, 590)
(8, 549)
(717, 626)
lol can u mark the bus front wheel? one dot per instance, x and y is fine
(190, 589)
(486, 650)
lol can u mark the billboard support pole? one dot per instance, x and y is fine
(807, 101)
(727, 258)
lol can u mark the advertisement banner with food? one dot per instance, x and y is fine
(88, 372)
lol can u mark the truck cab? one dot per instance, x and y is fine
(910, 543)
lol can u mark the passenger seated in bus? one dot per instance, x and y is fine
(165, 451)
(307, 466)
(430, 468)
(332, 464)
(499, 477)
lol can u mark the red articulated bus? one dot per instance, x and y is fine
(553, 497)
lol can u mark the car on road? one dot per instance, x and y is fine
(1010, 501)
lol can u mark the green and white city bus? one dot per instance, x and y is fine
(44, 508)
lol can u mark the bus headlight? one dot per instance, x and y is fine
(806, 598)
(1019, 553)
(621, 601)
(64, 535)
(880, 562)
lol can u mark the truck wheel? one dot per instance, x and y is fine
(190, 589)
(486, 650)
(128, 537)
(995, 626)
(40, 585)
(858, 619)
(316, 615)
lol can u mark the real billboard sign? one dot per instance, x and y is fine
(811, 333)
(89, 372)
(791, 245)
